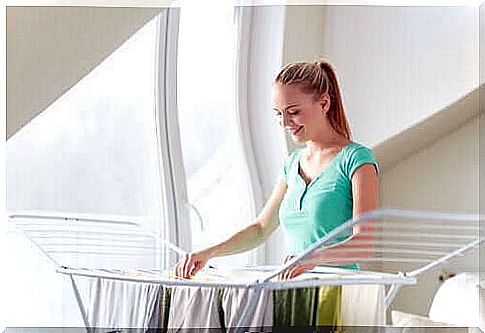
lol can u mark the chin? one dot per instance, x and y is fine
(297, 139)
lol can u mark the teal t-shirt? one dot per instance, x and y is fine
(308, 213)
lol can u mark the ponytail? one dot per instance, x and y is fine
(336, 114)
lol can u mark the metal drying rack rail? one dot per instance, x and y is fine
(417, 240)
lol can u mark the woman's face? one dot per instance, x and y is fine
(299, 113)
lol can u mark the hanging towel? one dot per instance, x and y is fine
(294, 307)
(121, 304)
(329, 305)
(369, 299)
(308, 307)
(235, 300)
(159, 317)
(193, 307)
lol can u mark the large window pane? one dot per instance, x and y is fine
(218, 190)
(93, 152)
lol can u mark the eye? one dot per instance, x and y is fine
(277, 113)
(293, 113)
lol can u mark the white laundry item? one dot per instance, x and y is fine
(193, 307)
(369, 299)
(457, 301)
(121, 304)
(235, 300)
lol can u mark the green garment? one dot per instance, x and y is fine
(309, 212)
(329, 306)
(308, 307)
(166, 295)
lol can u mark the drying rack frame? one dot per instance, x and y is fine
(267, 281)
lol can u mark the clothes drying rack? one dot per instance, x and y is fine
(401, 244)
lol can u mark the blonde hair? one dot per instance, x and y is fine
(318, 78)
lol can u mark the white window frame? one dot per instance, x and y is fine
(173, 183)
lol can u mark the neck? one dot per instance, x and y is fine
(331, 140)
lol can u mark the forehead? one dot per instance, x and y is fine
(289, 94)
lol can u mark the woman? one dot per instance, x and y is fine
(328, 182)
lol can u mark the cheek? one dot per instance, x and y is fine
(311, 118)
(301, 119)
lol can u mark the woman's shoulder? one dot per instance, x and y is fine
(356, 155)
(354, 147)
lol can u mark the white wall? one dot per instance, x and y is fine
(443, 177)
(396, 65)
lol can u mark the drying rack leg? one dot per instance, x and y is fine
(391, 294)
(80, 303)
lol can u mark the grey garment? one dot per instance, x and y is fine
(235, 300)
(193, 307)
(121, 304)
(156, 318)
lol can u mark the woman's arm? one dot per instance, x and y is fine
(246, 239)
(365, 198)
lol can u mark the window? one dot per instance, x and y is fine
(93, 152)
(105, 150)
(217, 184)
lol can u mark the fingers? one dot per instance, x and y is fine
(196, 266)
(188, 266)
(286, 275)
(293, 272)
(288, 258)
(178, 269)
(297, 271)
(182, 267)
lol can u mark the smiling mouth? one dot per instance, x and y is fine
(296, 131)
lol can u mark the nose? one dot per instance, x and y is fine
(284, 120)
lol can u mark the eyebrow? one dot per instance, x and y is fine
(288, 107)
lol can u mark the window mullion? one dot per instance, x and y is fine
(243, 23)
(173, 183)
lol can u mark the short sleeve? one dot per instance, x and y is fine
(289, 163)
(358, 157)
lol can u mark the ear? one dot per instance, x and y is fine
(325, 103)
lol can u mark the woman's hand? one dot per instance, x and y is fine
(191, 264)
(302, 267)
